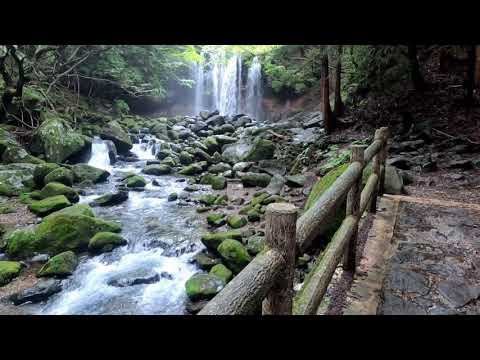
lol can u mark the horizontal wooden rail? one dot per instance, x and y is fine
(244, 294)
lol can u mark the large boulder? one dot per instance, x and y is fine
(16, 179)
(203, 286)
(192, 169)
(213, 240)
(63, 232)
(61, 265)
(114, 132)
(20, 243)
(55, 188)
(222, 272)
(38, 293)
(78, 209)
(261, 150)
(235, 255)
(256, 179)
(58, 140)
(60, 175)
(84, 172)
(9, 270)
(135, 181)
(49, 205)
(43, 170)
(161, 169)
(12, 152)
(105, 241)
(236, 221)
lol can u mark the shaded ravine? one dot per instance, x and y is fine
(162, 239)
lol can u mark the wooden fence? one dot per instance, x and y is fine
(267, 281)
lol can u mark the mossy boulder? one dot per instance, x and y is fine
(213, 240)
(221, 200)
(17, 154)
(255, 244)
(236, 221)
(172, 197)
(186, 158)
(208, 199)
(251, 179)
(60, 175)
(216, 220)
(49, 205)
(61, 265)
(41, 171)
(261, 150)
(211, 144)
(203, 286)
(206, 262)
(135, 182)
(192, 169)
(219, 168)
(234, 254)
(111, 198)
(222, 272)
(78, 209)
(20, 243)
(55, 188)
(84, 172)
(253, 215)
(105, 241)
(62, 232)
(217, 182)
(57, 139)
(161, 169)
(114, 132)
(9, 270)
(168, 162)
(16, 179)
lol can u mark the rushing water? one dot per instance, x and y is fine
(100, 158)
(162, 239)
(220, 85)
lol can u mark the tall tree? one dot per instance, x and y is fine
(328, 118)
(339, 106)
(415, 73)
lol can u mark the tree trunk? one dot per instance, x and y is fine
(338, 107)
(328, 119)
(415, 74)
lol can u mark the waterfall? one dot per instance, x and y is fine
(100, 158)
(254, 90)
(228, 94)
(199, 76)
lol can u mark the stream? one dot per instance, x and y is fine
(162, 239)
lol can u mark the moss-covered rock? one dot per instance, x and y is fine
(60, 175)
(255, 244)
(105, 241)
(17, 154)
(192, 169)
(63, 232)
(6, 209)
(49, 205)
(57, 139)
(253, 215)
(211, 144)
(203, 286)
(161, 169)
(235, 255)
(9, 270)
(61, 265)
(222, 272)
(78, 209)
(41, 171)
(236, 221)
(261, 150)
(221, 200)
(172, 197)
(217, 182)
(111, 198)
(216, 220)
(213, 240)
(186, 158)
(16, 179)
(84, 172)
(256, 179)
(114, 132)
(206, 262)
(55, 188)
(20, 243)
(135, 182)
(219, 168)
(207, 199)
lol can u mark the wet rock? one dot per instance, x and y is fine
(186, 158)
(105, 242)
(110, 199)
(40, 292)
(49, 205)
(61, 265)
(219, 168)
(225, 128)
(222, 272)
(8, 271)
(60, 175)
(216, 220)
(205, 261)
(234, 254)
(256, 179)
(157, 170)
(114, 132)
(215, 120)
(242, 166)
(135, 182)
(172, 197)
(192, 188)
(296, 180)
(203, 286)
(41, 171)
(236, 221)
(213, 240)
(194, 307)
(255, 244)
(193, 169)
(83, 172)
(198, 126)
(112, 151)
(207, 199)
(151, 279)
(54, 188)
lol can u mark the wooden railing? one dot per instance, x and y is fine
(267, 282)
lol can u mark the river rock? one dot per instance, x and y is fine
(393, 181)
(49, 205)
(61, 175)
(256, 179)
(111, 198)
(135, 182)
(105, 242)
(216, 220)
(296, 180)
(242, 166)
(275, 185)
(222, 272)
(40, 292)
(186, 158)
(78, 209)
(114, 132)
(234, 254)
(225, 128)
(16, 178)
(55, 188)
(162, 169)
(236, 221)
(61, 265)
(205, 261)
(208, 114)
(215, 120)
(203, 286)
(149, 279)
(84, 172)
(219, 168)
(9, 270)
(213, 240)
(41, 171)
(193, 169)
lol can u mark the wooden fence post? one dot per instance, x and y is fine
(376, 170)
(382, 158)
(353, 208)
(280, 234)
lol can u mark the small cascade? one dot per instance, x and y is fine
(100, 158)
(199, 76)
(253, 103)
(147, 147)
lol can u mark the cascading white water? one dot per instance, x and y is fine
(146, 149)
(253, 104)
(100, 158)
(229, 89)
(199, 87)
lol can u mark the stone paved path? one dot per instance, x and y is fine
(422, 258)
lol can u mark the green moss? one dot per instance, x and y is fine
(20, 244)
(222, 272)
(6, 209)
(236, 221)
(193, 169)
(105, 241)
(207, 199)
(160, 169)
(60, 175)
(216, 220)
(324, 184)
(8, 271)
(135, 182)
(203, 286)
(41, 171)
(55, 188)
(213, 240)
(261, 150)
(49, 205)
(78, 209)
(61, 265)
(84, 172)
(234, 254)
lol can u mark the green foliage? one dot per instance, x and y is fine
(121, 107)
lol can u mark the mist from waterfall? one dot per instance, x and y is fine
(220, 86)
